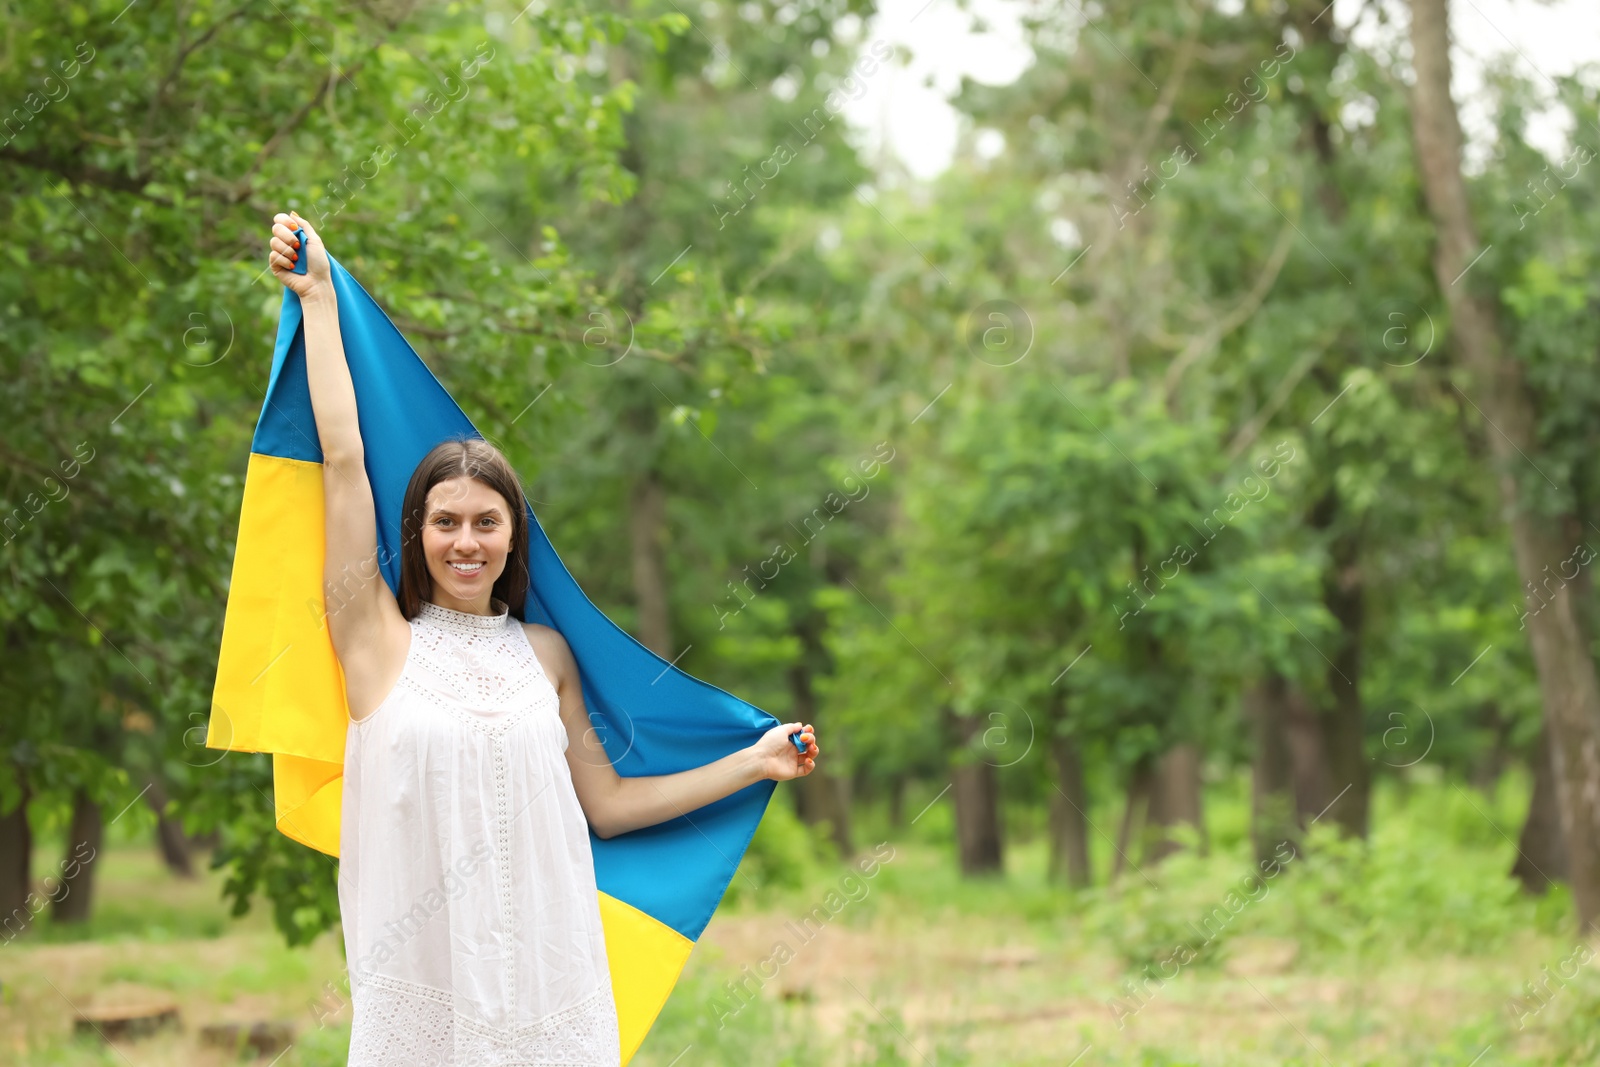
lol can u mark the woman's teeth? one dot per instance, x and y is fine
(467, 568)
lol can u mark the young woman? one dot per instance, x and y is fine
(472, 774)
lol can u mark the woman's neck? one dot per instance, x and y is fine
(480, 605)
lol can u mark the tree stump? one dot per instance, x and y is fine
(262, 1038)
(127, 1020)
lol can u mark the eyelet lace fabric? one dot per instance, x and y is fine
(411, 1026)
(466, 881)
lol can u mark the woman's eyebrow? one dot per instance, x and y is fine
(456, 514)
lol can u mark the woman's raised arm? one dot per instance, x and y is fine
(369, 634)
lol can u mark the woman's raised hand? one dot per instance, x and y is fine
(285, 250)
(779, 759)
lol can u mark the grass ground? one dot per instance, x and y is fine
(1410, 951)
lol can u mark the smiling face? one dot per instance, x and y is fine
(466, 537)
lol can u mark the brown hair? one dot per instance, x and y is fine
(477, 459)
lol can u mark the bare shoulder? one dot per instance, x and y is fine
(553, 651)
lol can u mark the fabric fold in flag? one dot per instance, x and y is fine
(279, 688)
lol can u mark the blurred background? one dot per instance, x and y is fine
(1153, 443)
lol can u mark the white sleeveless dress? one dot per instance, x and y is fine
(466, 881)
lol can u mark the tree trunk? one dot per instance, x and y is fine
(1344, 722)
(897, 802)
(1335, 762)
(1568, 686)
(1174, 799)
(1306, 17)
(820, 798)
(85, 838)
(16, 864)
(639, 419)
(820, 795)
(1541, 854)
(975, 787)
(1491, 764)
(1134, 808)
(1307, 756)
(1069, 823)
(1272, 797)
(170, 838)
(647, 518)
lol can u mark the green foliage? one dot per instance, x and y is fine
(1448, 893)
(301, 883)
(138, 337)
(1430, 883)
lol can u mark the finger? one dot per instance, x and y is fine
(285, 232)
(283, 248)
